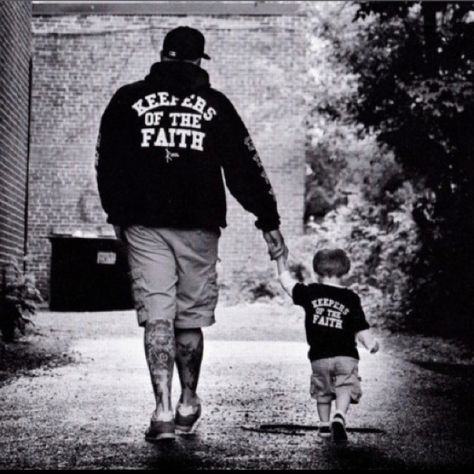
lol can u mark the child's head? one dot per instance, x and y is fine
(331, 263)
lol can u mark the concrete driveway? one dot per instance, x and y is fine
(92, 414)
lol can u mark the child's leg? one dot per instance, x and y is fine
(343, 401)
(322, 391)
(347, 387)
(324, 411)
(321, 387)
(347, 383)
(344, 382)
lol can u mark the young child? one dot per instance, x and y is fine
(334, 322)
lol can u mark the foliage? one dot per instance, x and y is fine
(416, 91)
(390, 158)
(381, 248)
(358, 195)
(18, 299)
(343, 156)
(251, 283)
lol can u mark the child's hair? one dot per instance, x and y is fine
(331, 262)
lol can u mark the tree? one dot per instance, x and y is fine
(414, 61)
(356, 191)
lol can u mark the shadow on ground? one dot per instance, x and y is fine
(455, 370)
(176, 455)
(258, 413)
(299, 430)
(362, 457)
(184, 454)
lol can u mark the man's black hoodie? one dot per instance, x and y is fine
(162, 144)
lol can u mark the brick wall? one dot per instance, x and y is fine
(15, 53)
(80, 60)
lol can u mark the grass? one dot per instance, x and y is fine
(37, 349)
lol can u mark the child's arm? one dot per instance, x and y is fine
(286, 280)
(366, 338)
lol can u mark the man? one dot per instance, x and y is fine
(162, 144)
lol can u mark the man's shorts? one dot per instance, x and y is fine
(173, 274)
(334, 376)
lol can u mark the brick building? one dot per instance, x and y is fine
(82, 56)
(15, 55)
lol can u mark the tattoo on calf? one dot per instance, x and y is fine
(188, 359)
(160, 353)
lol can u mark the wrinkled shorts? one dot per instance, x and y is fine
(173, 274)
(334, 376)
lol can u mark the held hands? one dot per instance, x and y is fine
(286, 280)
(276, 244)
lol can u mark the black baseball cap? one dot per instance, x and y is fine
(184, 43)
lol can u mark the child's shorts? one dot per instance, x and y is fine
(334, 376)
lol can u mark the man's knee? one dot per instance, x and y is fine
(159, 326)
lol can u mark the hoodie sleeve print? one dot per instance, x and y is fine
(111, 152)
(244, 173)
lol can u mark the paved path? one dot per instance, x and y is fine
(93, 414)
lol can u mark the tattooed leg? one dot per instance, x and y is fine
(189, 350)
(160, 354)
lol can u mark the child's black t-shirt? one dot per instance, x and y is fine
(333, 317)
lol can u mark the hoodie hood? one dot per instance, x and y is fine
(178, 76)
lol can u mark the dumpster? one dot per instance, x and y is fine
(89, 274)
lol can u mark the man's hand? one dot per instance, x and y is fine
(276, 244)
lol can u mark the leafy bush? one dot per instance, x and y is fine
(390, 164)
(250, 284)
(359, 196)
(18, 299)
(381, 241)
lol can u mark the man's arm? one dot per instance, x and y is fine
(111, 165)
(276, 244)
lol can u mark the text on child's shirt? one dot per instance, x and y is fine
(328, 312)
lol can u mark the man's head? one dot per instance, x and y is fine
(331, 263)
(184, 44)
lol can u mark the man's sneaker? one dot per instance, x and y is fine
(338, 428)
(160, 430)
(324, 430)
(187, 417)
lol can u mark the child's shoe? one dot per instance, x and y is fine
(338, 428)
(324, 429)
